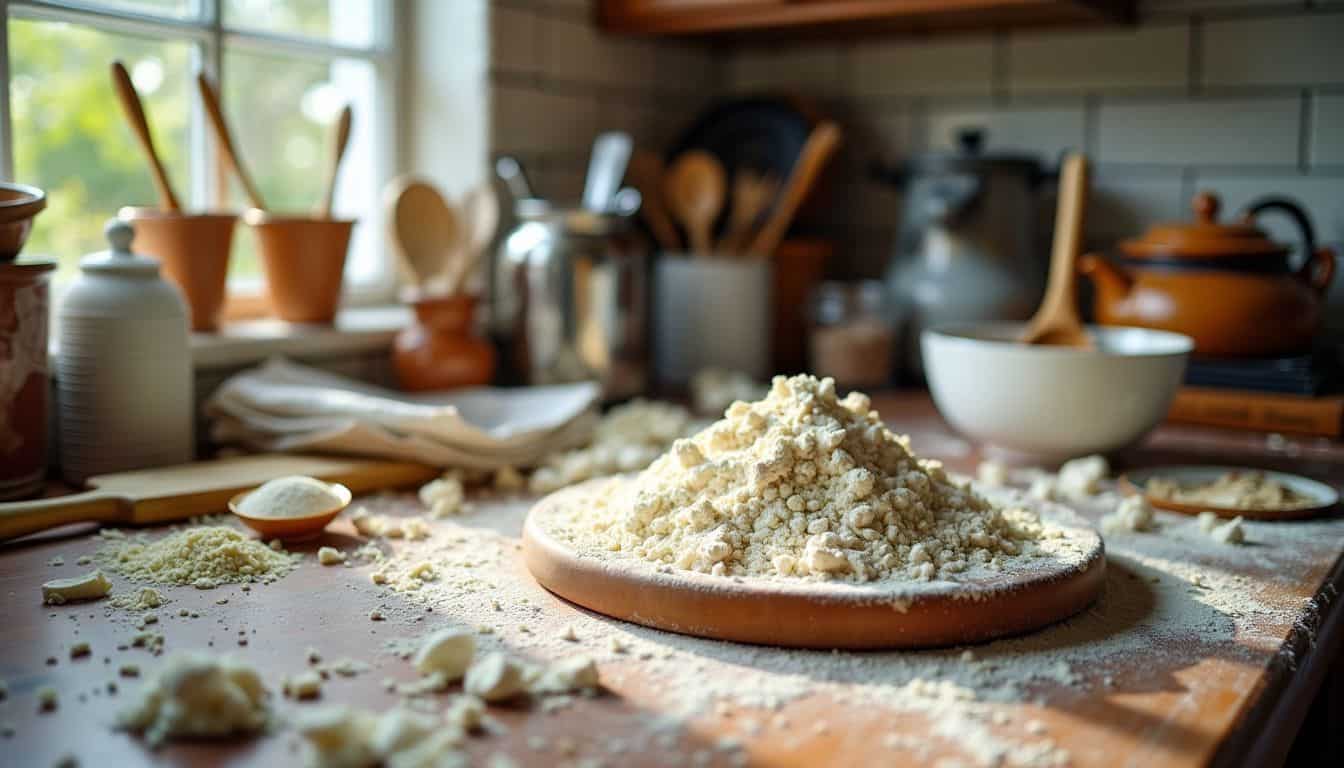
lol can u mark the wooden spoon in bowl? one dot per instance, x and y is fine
(338, 152)
(1056, 321)
(210, 98)
(135, 114)
(694, 188)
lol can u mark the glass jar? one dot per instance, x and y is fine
(851, 336)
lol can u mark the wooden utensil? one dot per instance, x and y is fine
(167, 494)
(480, 220)
(752, 196)
(808, 614)
(694, 188)
(821, 144)
(135, 115)
(338, 152)
(646, 174)
(424, 228)
(210, 98)
(1056, 321)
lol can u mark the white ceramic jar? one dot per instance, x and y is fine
(123, 371)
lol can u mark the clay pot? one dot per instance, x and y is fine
(19, 203)
(1227, 286)
(194, 252)
(439, 350)
(24, 386)
(304, 260)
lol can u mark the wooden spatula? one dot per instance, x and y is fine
(425, 228)
(178, 492)
(694, 188)
(752, 196)
(135, 115)
(1056, 321)
(337, 154)
(227, 148)
(821, 144)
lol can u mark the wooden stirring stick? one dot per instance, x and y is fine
(135, 115)
(1056, 321)
(338, 152)
(694, 189)
(752, 196)
(210, 98)
(823, 142)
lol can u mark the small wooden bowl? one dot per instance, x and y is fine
(291, 528)
(304, 259)
(194, 251)
(19, 203)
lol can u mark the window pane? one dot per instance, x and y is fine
(286, 142)
(348, 22)
(71, 139)
(176, 9)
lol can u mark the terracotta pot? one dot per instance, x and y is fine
(440, 350)
(304, 260)
(1227, 286)
(24, 308)
(19, 203)
(194, 252)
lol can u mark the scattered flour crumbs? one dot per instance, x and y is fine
(200, 556)
(806, 484)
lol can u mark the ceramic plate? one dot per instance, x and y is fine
(1321, 496)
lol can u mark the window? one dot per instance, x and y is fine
(284, 69)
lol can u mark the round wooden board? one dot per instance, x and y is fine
(1324, 497)
(806, 614)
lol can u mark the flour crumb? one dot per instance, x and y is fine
(80, 649)
(1133, 514)
(444, 495)
(304, 685)
(1230, 532)
(330, 556)
(447, 652)
(1207, 521)
(195, 695)
(1081, 478)
(1034, 727)
(203, 557)
(90, 586)
(568, 634)
(628, 438)
(47, 699)
(142, 599)
(991, 474)
(495, 678)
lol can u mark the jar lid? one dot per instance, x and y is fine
(1204, 238)
(120, 260)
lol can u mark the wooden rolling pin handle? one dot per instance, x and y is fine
(21, 518)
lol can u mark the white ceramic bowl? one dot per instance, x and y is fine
(1053, 403)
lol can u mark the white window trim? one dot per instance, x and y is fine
(210, 36)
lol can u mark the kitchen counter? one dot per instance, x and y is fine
(1198, 652)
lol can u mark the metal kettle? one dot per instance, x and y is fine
(968, 248)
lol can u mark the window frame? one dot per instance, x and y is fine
(209, 36)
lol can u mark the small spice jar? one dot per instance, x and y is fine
(852, 338)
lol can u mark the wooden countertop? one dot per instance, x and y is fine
(1233, 692)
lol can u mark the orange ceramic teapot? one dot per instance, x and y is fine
(1228, 286)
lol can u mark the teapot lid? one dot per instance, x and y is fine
(120, 260)
(1205, 237)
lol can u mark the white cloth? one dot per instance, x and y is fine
(283, 406)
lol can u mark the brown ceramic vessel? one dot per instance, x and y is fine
(440, 350)
(19, 203)
(194, 252)
(1228, 286)
(304, 260)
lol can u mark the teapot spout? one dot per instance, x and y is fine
(1112, 282)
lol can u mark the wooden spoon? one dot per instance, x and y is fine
(823, 142)
(135, 114)
(646, 174)
(425, 229)
(338, 152)
(1056, 321)
(752, 196)
(480, 220)
(694, 187)
(210, 98)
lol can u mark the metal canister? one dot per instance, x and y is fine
(569, 299)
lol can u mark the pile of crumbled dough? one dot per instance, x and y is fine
(627, 439)
(200, 556)
(197, 695)
(804, 483)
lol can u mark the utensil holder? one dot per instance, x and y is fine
(711, 313)
(194, 252)
(304, 261)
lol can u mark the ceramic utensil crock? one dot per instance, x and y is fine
(440, 349)
(123, 372)
(1228, 286)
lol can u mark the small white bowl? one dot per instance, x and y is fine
(1053, 403)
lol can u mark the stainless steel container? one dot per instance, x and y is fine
(569, 299)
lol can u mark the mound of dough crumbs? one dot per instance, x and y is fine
(203, 557)
(292, 496)
(198, 696)
(1231, 490)
(806, 484)
(627, 439)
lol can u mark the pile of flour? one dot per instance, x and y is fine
(806, 484)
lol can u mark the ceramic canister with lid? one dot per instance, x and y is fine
(123, 371)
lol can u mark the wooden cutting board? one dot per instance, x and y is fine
(166, 494)
(809, 614)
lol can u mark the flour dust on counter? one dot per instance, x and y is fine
(200, 556)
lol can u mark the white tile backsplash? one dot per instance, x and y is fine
(1215, 132)
(1125, 59)
(1293, 50)
(903, 67)
(1322, 196)
(1327, 130)
(1044, 132)
(1123, 204)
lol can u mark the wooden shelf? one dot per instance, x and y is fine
(743, 18)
